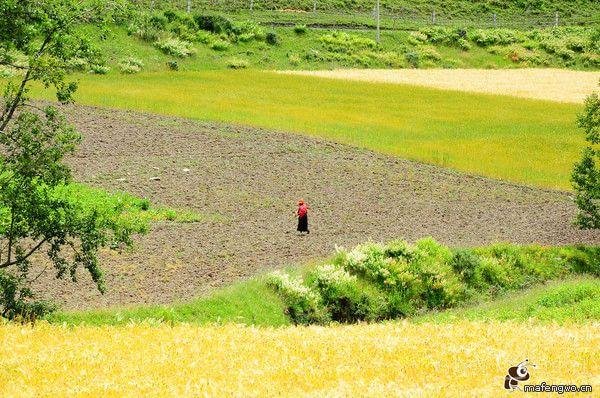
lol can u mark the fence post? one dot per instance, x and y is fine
(433, 17)
(315, 7)
(189, 6)
(556, 19)
(495, 21)
(251, 5)
(378, 21)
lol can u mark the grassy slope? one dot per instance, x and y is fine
(532, 142)
(249, 302)
(293, 49)
(573, 300)
(259, 55)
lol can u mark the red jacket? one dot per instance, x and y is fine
(302, 210)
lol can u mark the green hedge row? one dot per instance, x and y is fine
(374, 282)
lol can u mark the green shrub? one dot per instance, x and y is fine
(577, 44)
(158, 21)
(591, 59)
(131, 65)
(300, 29)
(464, 44)
(99, 69)
(536, 59)
(490, 274)
(429, 53)
(203, 37)
(413, 59)
(146, 28)
(245, 37)
(375, 281)
(219, 45)
(272, 38)
(213, 23)
(236, 63)
(530, 44)
(77, 64)
(417, 37)
(176, 47)
(345, 300)
(173, 65)
(566, 295)
(170, 15)
(583, 259)
(303, 305)
(294, 59)
(489, 37)
(6, 72)
(184, 32)
(441, 35)
(341, 42)
(464, 263)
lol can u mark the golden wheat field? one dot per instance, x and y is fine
(557, 85)
(393, 359)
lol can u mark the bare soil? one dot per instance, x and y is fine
(252, 178)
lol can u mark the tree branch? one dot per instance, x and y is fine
(8, 114)
(25, 257)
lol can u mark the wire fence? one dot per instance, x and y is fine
(370, 14)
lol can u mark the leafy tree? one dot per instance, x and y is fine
(586, 172)
(40, 39)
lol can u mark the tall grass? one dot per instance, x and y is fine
(249, 302)
(525, 141)
(572, 300)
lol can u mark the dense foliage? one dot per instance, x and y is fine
(42, 42)
(586, 172)
(374, 281)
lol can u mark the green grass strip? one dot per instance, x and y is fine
(520, 140)
(573, 300)
(250, 302)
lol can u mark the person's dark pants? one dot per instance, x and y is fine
(303, 224)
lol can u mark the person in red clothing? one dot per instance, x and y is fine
(302, 214)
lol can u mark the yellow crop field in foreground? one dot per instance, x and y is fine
(394, 359)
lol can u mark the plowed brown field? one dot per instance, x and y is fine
(252, 179)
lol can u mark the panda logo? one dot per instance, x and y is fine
(516, 374)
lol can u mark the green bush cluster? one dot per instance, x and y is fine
(341, 42)
(353, 50)
(177, 47)
(303, 305)
(237, 63)
(131, 65)
(174, 32)
(300, 29)
(569, 44)
(376, 281)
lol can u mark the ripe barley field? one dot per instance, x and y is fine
(557, 85)
(393, 359)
